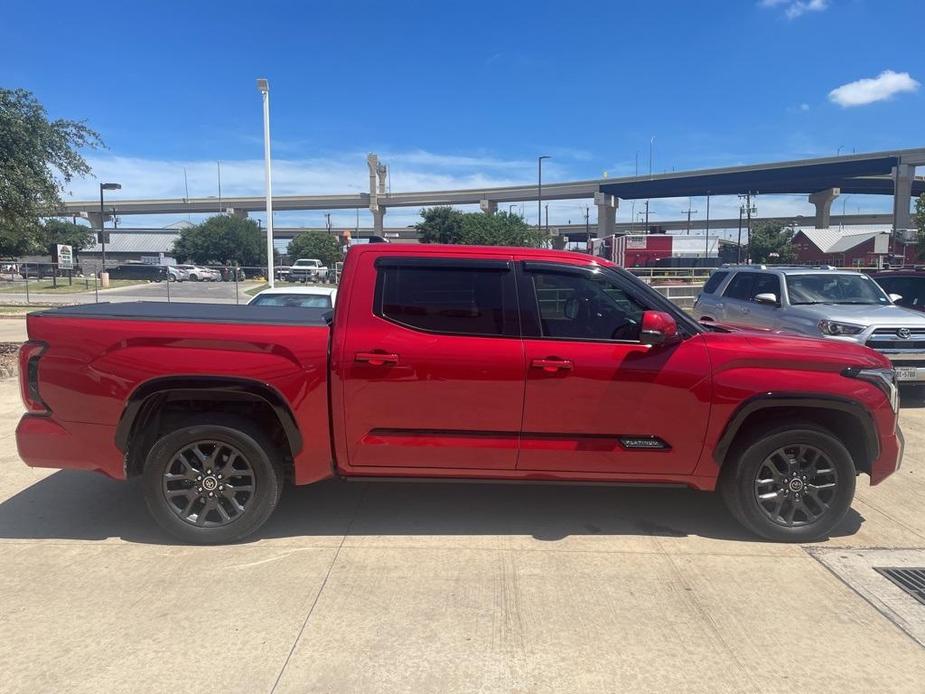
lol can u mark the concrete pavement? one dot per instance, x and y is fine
(13, 329)
(402, 587)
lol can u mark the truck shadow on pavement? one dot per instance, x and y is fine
(85, 506)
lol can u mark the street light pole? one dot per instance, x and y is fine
(539, 190)
(264, 88)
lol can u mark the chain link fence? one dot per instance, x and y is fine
(48, 284)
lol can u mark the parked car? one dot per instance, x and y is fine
(175, 273)
(907, 285)
(456, 363)
(820, 302)
(198, 273)
(139, 271)
(303, 297)
(308, 270)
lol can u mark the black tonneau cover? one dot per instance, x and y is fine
(194, 312)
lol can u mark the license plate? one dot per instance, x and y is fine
(905, 373)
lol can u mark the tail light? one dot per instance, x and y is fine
(29, 355)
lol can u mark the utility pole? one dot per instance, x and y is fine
(646, 230)
(706, 234)
(327, 221)
(689, 213)
(547, 219)
(747, 209)
(588, 228)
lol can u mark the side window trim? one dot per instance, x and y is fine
(510, 327)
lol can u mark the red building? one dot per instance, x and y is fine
(851, 247)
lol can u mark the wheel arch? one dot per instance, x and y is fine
(845, 418)
(150, 398)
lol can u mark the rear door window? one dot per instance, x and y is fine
(716, 279)
(454, 300)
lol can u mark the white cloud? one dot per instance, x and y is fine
(873, 89)
(796, 8)
(804, 107)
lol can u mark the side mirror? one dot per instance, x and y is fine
(766, 298)
(658, 328)
(895, 297)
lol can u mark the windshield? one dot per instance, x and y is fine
(830, 288)
(294, 300)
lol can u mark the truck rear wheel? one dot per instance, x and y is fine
(214, 480)
(792, 483)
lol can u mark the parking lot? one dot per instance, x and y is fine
(420, 587)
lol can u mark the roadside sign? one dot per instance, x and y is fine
(64, 256)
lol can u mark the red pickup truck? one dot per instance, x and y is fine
(449, 362)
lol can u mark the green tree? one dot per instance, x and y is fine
(38, 158)
(440, 225)
(771, 242)
(58, 231)
(446, 225)
(919, 220)
(222, 239)
(315, 244)
(500, 229)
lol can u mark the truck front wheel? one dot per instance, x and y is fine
(213, 480)
(792, 483)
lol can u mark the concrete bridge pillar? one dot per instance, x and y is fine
(902, 196)
(240, 214)
(488, 206)
(606, 214)
(823, 200)
(378, 214)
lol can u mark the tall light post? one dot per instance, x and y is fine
(539, 189)
(264, 88)
(105, 186)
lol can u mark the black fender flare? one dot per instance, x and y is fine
(215, 388)
(816, 401)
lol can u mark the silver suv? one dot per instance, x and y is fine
(817, 301)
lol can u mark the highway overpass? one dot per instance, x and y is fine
(822, 179)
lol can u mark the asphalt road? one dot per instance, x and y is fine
(401, 587)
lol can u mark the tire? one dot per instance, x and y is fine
(177, 492)
(819, 487)
(194, 278)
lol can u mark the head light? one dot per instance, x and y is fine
(831, 327)
(884, 379)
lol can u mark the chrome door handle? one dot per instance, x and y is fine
(551, 364)
(376, 358)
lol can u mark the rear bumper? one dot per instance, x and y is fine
(43, 441)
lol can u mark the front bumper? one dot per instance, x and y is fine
(890, 458)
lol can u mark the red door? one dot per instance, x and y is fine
(431, 370)
(597, 400)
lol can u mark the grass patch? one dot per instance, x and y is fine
(256, 290)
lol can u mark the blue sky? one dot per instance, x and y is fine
(466, 94)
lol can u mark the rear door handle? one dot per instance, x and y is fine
(551, 364)
(376, 358)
